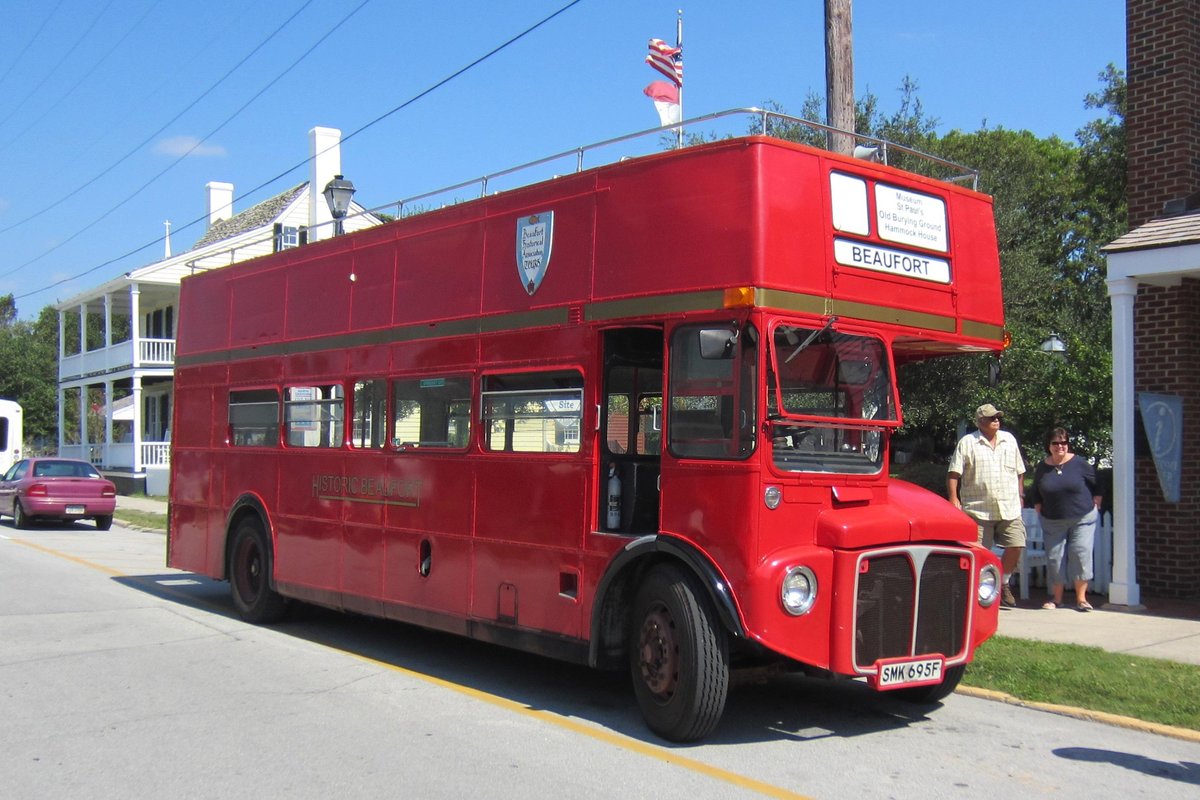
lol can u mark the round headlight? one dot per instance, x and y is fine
(989, 585)
(799, 590)
(772, 495)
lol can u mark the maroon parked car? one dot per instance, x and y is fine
(56, 488)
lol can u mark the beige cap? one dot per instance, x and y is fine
(988, 410)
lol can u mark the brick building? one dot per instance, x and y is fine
(1154, 286)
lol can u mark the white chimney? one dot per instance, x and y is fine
(220, 202)
(325, 161)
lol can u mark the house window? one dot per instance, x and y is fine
(289, 236)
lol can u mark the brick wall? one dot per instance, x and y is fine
(1162, 126)
(1167, 321)
(1163, 114)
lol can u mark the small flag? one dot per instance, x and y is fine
(666, 101)
(667, 60)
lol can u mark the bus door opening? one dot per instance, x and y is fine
(631, 431)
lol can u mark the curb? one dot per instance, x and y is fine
(1130, 723)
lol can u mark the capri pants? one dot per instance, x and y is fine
(1069, 545)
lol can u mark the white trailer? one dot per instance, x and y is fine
(12, 432)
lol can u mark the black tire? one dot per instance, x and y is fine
(20, 518)
(928, 695)
(250, 573)
(678, 656)
(104, 523)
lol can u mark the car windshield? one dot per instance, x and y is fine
(818, 377)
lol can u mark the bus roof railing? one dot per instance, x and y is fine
(766, 123)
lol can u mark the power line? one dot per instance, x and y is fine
(50, 72)
(87, 73)
(300, 164)
(29, 43)
(174, 163)
(150, 138)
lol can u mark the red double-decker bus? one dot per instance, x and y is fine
(634, 417)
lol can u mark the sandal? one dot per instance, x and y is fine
(1084, 606)
(1049, 606)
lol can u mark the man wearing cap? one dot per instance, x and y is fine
(985, 479)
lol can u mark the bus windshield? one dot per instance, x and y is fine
(817, 378)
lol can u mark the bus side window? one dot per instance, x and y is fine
(533, 412)
(313, 415)
(254, 418)
(431, 413)
(369, 425)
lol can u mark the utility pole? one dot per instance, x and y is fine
(839, 74)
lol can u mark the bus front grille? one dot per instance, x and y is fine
(909, 604)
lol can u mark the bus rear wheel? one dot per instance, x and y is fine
(678, 656)
(250, 575)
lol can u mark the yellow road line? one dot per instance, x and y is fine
(614, 739)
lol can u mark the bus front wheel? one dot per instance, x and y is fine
(250, 575)
(678, 655)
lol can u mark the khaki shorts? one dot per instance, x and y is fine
(1000, 532)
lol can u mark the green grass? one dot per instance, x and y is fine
(1148, 689)
(141, 519)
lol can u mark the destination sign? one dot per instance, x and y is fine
(909, 217)
(896, 262)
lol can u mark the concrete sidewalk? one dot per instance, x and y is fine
(1167, 630)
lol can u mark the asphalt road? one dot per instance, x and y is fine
(119, 677)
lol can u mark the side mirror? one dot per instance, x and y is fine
(716, 343)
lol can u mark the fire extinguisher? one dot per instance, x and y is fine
(614, 498)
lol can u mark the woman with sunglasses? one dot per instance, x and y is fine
(1066, 496)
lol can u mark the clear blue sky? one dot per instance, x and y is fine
(84, 83)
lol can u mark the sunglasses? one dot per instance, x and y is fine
(990, 419)
(1062, 444)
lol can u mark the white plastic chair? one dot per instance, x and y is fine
(1033, 557)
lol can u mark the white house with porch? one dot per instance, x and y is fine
(117, 341)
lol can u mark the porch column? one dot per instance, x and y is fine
(1123, 590)
(62, 397)
(135, 327)
(137, 425)
(83, 342)
(84, 439)
(108, 420)
(62, 329)
(107, 320)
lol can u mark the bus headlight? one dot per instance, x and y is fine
(799, 590)
(989, 585)
(771, 496)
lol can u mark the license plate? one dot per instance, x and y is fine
(76, 509)
(897, 674)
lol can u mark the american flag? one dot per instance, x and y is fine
(667, 60)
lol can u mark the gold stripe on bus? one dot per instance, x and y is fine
(982, 330)
(793, 301)
(896, 316)
(655, 305)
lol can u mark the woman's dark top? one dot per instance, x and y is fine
(1067, 495)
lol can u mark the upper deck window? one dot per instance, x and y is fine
(818, 377)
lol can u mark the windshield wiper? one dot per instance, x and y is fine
(800, 347)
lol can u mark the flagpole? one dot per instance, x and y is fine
(679, 44)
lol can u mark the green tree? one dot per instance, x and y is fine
(29, 351)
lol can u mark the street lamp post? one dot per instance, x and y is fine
(337, 194)
(1054, 346)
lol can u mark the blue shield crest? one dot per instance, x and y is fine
(535, 236)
